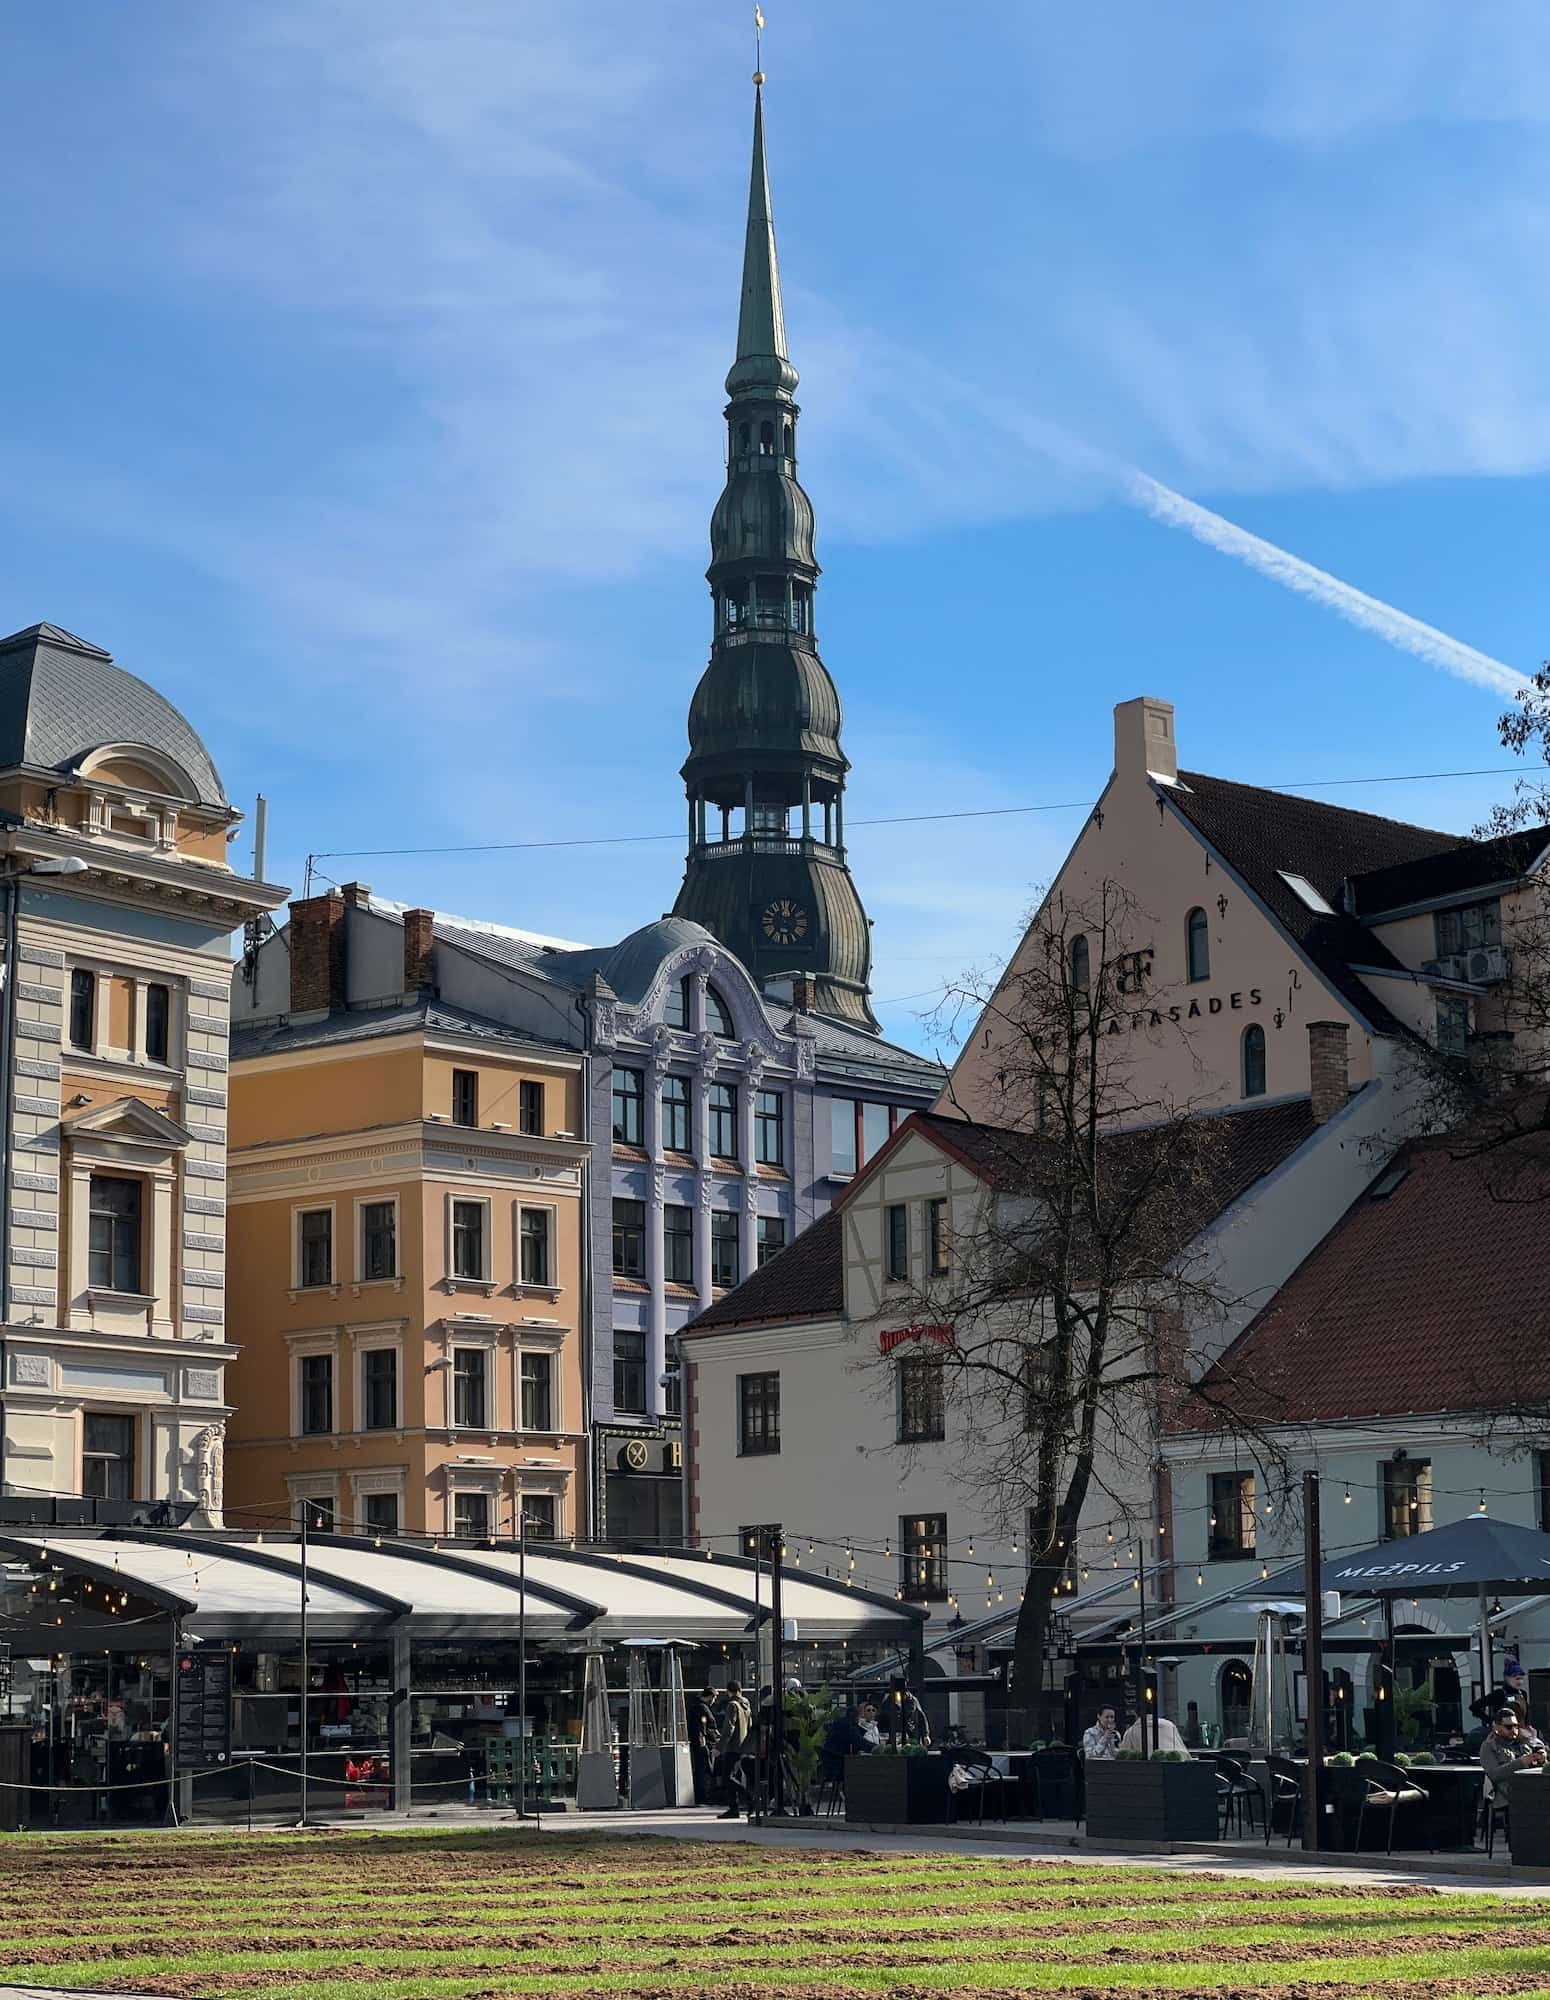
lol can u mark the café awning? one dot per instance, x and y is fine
(1463, 1558)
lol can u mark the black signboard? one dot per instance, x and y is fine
(203, 1707)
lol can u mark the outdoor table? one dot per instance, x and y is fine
(1020, 1771)
(1447, 1820)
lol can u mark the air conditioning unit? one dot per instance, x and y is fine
(1487, 964)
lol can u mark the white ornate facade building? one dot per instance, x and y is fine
(118, 906)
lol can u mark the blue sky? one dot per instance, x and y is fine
(364, 372)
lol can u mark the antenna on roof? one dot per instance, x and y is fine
(260, 829)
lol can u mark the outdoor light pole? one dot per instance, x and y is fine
(522, 1744)
(305, 1663)
(1313, 1660)
(776, 1774)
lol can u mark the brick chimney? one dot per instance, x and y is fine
(419, 951)
(317, 953)
(804, 992)
(1329, 1066)
(357, 895)
(1143, 739)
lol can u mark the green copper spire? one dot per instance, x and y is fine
(762, 365)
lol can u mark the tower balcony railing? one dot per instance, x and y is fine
(713, 849)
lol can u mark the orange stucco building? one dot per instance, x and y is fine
(406, 1194)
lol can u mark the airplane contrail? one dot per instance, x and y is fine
(1344, 599)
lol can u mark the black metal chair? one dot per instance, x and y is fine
(1386, 1785)
(975, 1773)
(1493, 1814)
(1286, 1789)
(1246, 1800)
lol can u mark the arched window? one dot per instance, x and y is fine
(1081, 963)
(717, 1019)
(676, 1013)
(788, 442)
(1253, 1060)
(1197, 940)
(743, 437)
(766, 439)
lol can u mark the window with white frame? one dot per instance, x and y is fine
(379, 1389)
(317, 1394)
(378, 1254)
(541, 1514)
(469, 1238)
(314, 1247)
(471, 1516)
(471, 1388)
(537, 1390)
(379, 1513)
(535, 1247)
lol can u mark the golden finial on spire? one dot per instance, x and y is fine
(758, 46)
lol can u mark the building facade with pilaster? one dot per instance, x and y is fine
(119, 904)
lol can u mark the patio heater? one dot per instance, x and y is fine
(597, 1770)
(1270, 1695)
(660, 1773)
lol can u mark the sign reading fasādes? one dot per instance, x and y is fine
(1192, 1010)
(895, 1336)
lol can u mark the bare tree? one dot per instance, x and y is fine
(1063, 1316)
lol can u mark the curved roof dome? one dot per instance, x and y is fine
(632, 964)
(765, 700)
(62, 700)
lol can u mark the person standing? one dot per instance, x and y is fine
(736, 1722)
(1512, 1693)
(701, 1717)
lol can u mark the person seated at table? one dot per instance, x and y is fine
(867, 1721)
(1161, 1735)
(1101, 1739)
(843, 1738)
(1506, 1750)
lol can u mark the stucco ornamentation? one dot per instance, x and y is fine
(710, 1053)
(203, 1466)
(658, 1187)
(807, 1055)
(29, 1371)
(707, 1194)
(605, 1023)
(754, 1056)
(751, 1198)
(662, 1047)
(203, 1384)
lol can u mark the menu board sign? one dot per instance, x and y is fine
(203, 1706)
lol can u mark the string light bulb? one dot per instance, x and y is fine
(1483, 1509)
(1200, 1578)
(1347, 1495)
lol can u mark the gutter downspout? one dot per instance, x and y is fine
(7, 1067)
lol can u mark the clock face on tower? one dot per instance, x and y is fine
(785, 922)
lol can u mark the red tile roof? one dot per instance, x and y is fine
(1431, 1294)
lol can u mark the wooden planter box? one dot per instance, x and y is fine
(1150, 1799)
(884, 1790)
(1528, 1819)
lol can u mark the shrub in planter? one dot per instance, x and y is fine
(1420, 1757)
(1341, 1761)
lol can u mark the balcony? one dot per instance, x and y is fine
(768, 843)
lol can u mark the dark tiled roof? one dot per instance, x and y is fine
(366, 1024)
(850, 1056)
(806, 1281)
(61, 697)
(1235, 1149)
(1470, 864)
(1261, 832)
(1432, 1293)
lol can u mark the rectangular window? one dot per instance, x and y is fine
(723, 1121)
(923, 1556)
(468, 1239)
(842, 1136)
(629, 1238)
(317, 1395)
(113, 1226)
(896, 1221)
(1468, 928)
(1452, 1024)
(675, 1114)
(538, 1392)
(315, 1247)
(1233, 1524)
(678, 1244)
(541, 1511)
(471, 1516)
(470, 1402)
(629, 1370)
(724, 1260)
(772, 1237)
(379, 1389)
(937, 1254)
(676, 1012)
(379, 1513)
(629, 1107)
(673, 1382)
(1407, 1498)
(83, 1009)
(758, 1414)
(158, 1018)
(922, 1400)
(769, 1128)
(535, 1263)
(530, 1108)
(320, 1514)
(875, 1127)
(108, 1457)
(465, 1097)
(379, 1239)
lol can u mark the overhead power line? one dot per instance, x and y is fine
(900, 819)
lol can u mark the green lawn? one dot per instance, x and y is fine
(415, 1914)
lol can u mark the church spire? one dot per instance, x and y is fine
(762, 363)
(765, 775)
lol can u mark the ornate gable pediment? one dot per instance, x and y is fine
(128, 1122)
